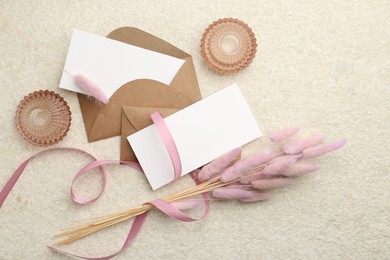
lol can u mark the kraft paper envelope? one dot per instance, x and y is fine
(104, 120)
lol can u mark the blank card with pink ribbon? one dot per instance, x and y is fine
(200, 133)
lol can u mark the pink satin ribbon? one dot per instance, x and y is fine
(170, 145)
(163, 206)
(15, 176)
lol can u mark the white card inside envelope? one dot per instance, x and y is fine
(110, 63)
(202, 132)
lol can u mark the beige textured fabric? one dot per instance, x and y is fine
(321, 65)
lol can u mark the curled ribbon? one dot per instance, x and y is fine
(15, 176)
(139, 220)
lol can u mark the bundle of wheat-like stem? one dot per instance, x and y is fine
(230, 177)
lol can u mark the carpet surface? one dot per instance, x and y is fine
(321, 65)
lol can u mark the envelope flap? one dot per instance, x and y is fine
(139, 117)
(185, 81)
(150, 93)
(146, 40)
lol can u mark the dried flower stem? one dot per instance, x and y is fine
(75, 233)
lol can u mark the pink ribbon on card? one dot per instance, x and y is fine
(169, 143)
(139, 220)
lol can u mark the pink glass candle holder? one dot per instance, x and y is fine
(43, 118)
(228, 46)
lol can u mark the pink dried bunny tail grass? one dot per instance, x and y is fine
(257, 196)
(91, 88)
(270, 183)
(246, 165)
(284, 134)
(259, 158)
(219, 165)
(186, 204)
(300, 168)
(285, 157)
(322, 149)
(280, 165)
(248, 179)
(299, 145)
(232, 193)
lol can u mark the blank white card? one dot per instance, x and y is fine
(202, 132)
(110, 63)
